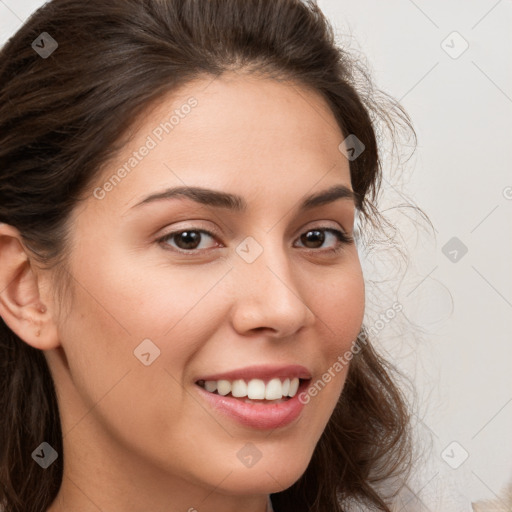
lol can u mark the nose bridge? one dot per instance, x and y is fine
(268, 294)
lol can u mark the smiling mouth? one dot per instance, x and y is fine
(274, 391)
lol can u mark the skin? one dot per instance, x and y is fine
(139, 437)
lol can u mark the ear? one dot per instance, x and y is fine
(21, 305)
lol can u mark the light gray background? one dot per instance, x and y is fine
(460, 176)
(462, 112)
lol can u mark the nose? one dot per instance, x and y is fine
(269, 297)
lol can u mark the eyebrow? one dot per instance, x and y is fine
(218, 199)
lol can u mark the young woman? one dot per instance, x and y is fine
(181, 295)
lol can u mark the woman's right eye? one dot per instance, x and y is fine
(186, 239)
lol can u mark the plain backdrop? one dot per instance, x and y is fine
(449, 65)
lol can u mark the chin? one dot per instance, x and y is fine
(267, 479)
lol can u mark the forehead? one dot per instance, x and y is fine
(243, 109)
(241, 132)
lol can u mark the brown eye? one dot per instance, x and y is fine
(315, 238)
(186, 239)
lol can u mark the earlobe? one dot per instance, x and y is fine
(21, 306)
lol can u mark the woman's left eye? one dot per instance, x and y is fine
(190, 239)
(316, 235)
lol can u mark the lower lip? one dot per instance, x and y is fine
(258, 415)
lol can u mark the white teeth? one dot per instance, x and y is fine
(210, 385)
(239, 388)
(223, 387)
(255, 389)
(294, 385)
(286, 387)
(273, 390)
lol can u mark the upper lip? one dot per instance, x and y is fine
(263, 372)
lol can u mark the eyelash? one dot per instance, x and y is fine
(343, 240)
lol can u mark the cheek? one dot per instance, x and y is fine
(112, 313)
(118, 305)
(341, 305)
(155, 299)
(97, 346)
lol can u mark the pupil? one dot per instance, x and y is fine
(191, 239)
(318, 235)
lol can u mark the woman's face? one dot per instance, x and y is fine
(154, 313)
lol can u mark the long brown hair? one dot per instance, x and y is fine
(62, 118)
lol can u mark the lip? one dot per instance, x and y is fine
(259, 415)
(263, 372)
